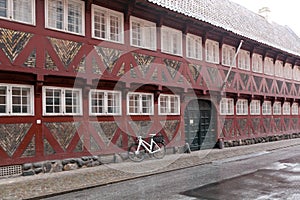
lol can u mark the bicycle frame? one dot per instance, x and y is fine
(146, 145)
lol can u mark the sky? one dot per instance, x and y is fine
(284, 12)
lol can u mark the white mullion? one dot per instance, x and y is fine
(105, 103)
(169, 105)
(140, 104)
(65, 11)
(62, 102)
(8, 100)
(107, 19)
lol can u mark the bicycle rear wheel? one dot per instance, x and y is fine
(162, 152)
(136, 157)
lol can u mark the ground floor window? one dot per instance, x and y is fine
(266, 108)
(140, 103)
(227, 106)
(295, 109)
(242, 107)
(169, 104)
(255, 107)
(105, 102)
(16, 99)
(62, 101)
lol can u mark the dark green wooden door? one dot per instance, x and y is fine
(200, 125)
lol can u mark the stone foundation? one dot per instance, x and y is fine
(272, 138)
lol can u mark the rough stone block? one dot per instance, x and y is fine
(27, 166)
(70, 166)
(28, 173)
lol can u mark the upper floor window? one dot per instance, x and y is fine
(107, 24)
(228, 55)
(143, 33)
(295, 109)
(227, 106)
(242, 107)
(62, 101)
(255, 107)
(65, 15)
(278, 68)
(169, 104)
(286, 108)
(296, 73)
(288, 71)
(257, 63)
(266, 108)
(244, 60)
(269, 66)
(212, 51)
(140, 103)
(194, 46)
(277, 108)
(18, 10)
(171, 41)
(16, 99)
(104, 102)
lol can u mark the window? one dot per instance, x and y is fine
(107, 24)
(296, 73)
(105, 102)
(295, 109)
(266, 108)
(257, 63)
(288, 71)
(212, 51)
(171, 41)
(194, 46)
(277, 108)
(169, 104)
(242, 107)
(16, 99)
(269, 66)
(143, 33)
(228, 55)
(255, 107)
(18, 10)
(65, 15)
(140, 103)
(244, 60)
(227, 106)
(278, 68)
(286, 109)
(61, 101)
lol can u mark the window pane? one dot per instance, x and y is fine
(56, 14)
(75, 17)
(3, 8)
(22, 10)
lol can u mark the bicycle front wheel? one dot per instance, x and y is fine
(162, 150)
(134, 155)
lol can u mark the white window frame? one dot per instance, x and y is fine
(193, 46)
(29, 11)
(212, 51)
(277, 108)
(139, 107)
(288, 71)
(9, 100)
(65, 17)
(227, 106)
(171, 41)
(296, 73)
(228, 55)
(146, 33)
(267, 108)
(269, 66)
(295, 109)
(62, 106)
(108, 14)
(106, 105)
(278, 68)
(169, 108)
(255, 107)
(244, 60)
(257, 63)
(242, 107)
(286, 108)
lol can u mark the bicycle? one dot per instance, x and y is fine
(157, 148)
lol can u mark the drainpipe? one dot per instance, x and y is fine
(228, 73)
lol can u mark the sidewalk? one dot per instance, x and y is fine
(48, 184)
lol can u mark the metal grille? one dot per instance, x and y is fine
(10, 170)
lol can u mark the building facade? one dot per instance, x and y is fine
(82, 78)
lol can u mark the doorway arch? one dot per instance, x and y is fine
(200, 124)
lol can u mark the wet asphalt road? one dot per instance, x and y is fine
(264, 175)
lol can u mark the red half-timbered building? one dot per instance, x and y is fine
(80, 78)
